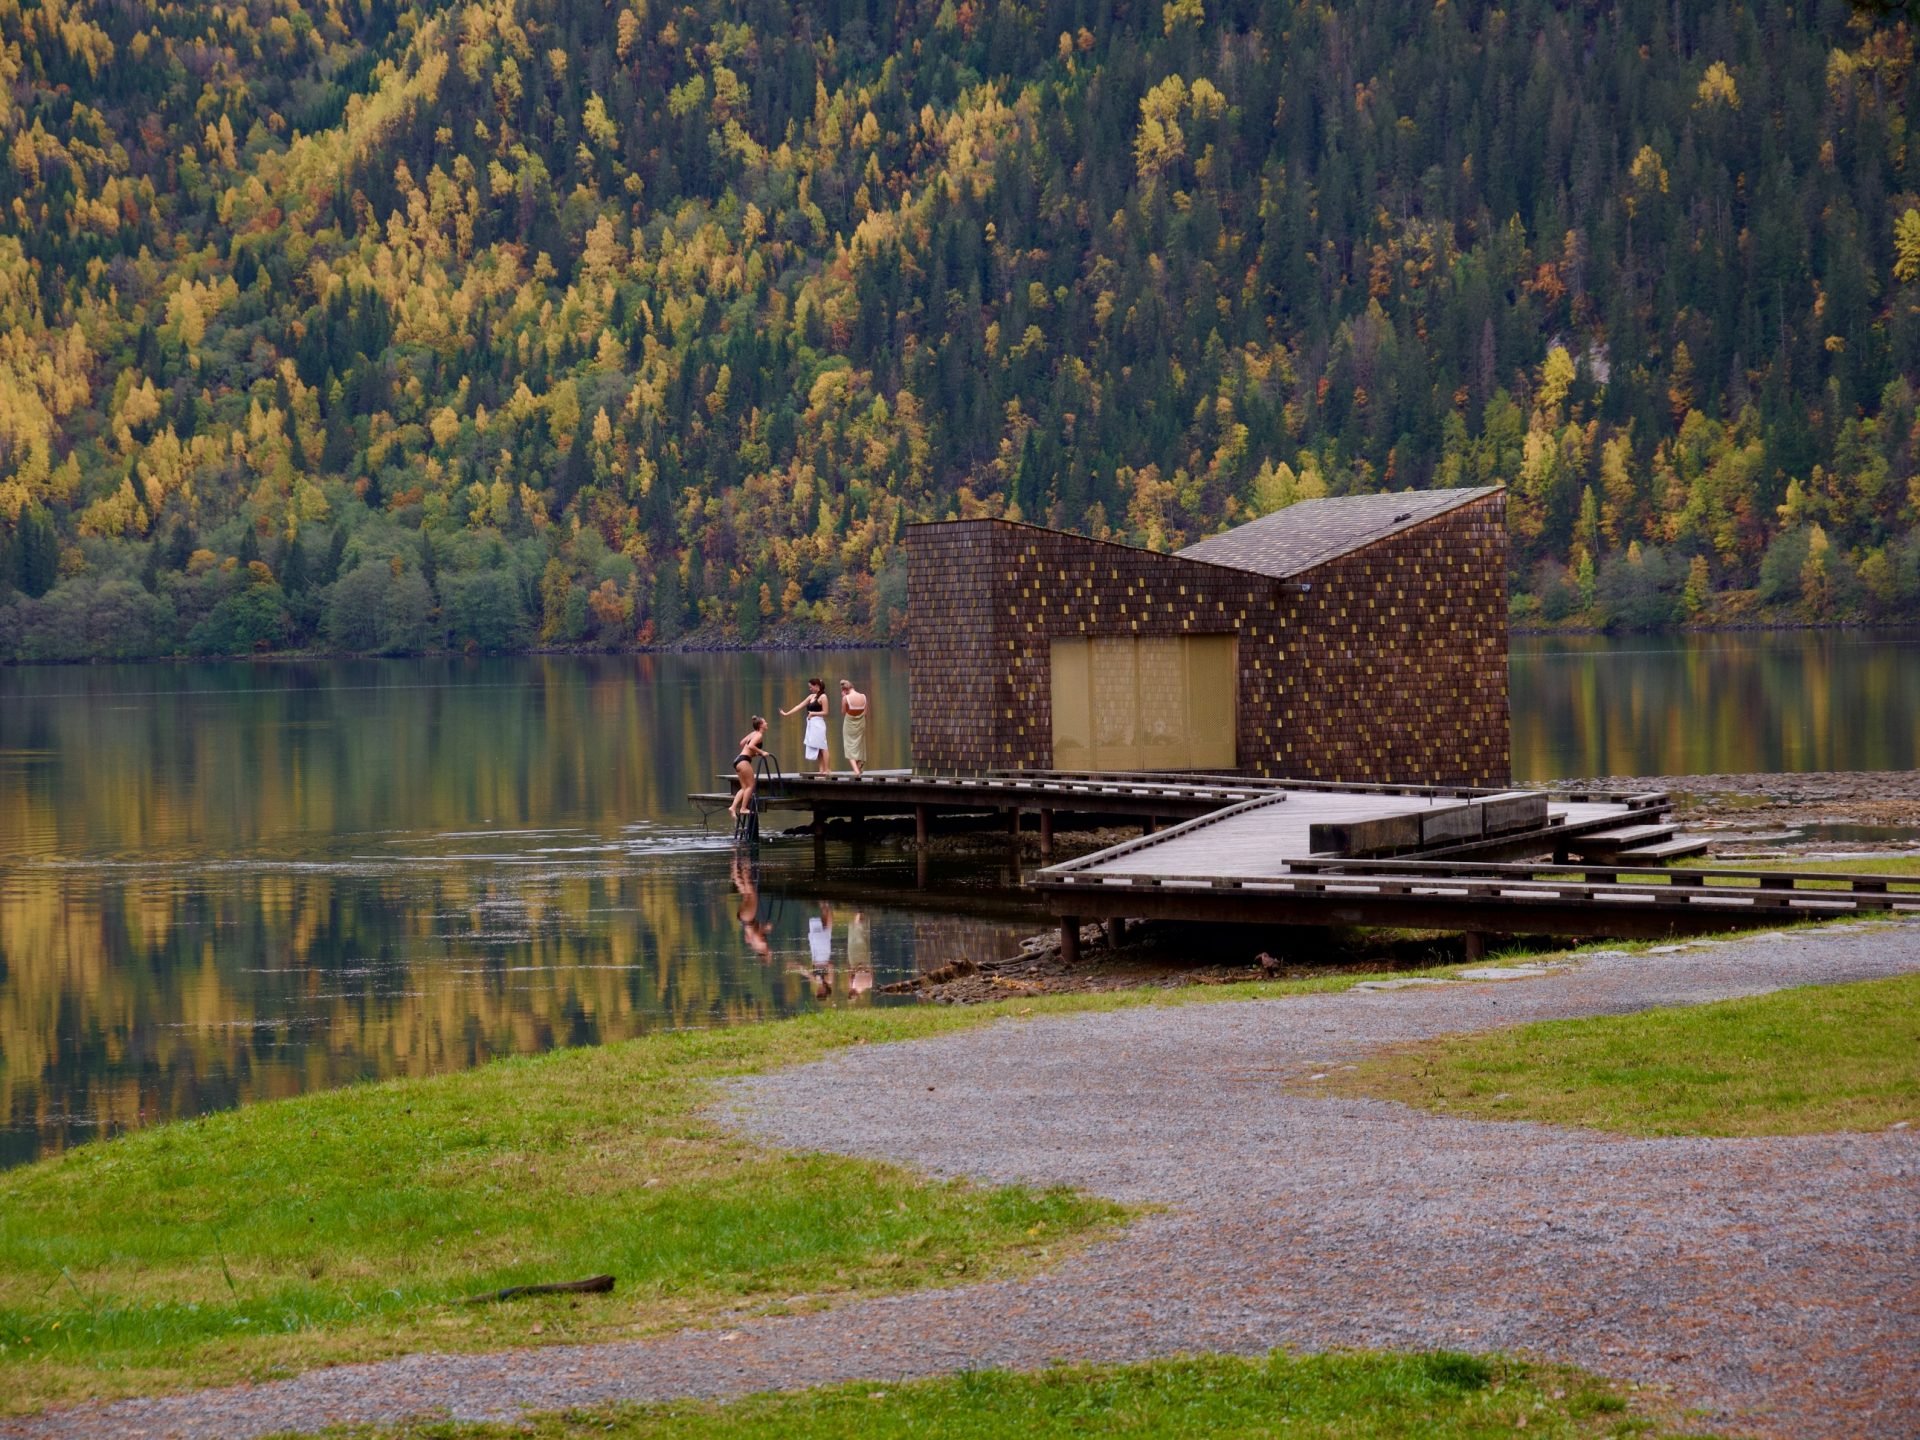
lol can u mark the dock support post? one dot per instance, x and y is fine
(1046, 835)
(1476, 944)
(1116, 932)
(1070, 939)
(920, 826)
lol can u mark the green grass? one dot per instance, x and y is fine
(345, 1225)
(1860, 865)
(1322, 1397)
(1826, 1057)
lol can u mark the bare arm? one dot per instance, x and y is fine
(793, 708)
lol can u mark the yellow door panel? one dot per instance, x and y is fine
(1072, 706)
(1145, 703)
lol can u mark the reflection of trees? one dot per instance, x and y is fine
(222, 759)
(121, 1001)
(217, 966)
(1701, 704)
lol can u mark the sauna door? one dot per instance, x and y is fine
(1145, 703)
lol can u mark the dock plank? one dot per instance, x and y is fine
(1259, 841)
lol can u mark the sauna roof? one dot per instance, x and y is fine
(1313, 532)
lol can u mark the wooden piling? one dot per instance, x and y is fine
(1070, 939)
(1046, 834)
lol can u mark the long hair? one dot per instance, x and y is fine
(817, 683)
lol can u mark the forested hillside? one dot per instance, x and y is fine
(377, 326)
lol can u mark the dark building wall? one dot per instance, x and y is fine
(988, 597)
(1389, 665)
(956, 679)
(1396, 658)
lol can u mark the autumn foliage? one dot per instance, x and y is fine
(569, 322)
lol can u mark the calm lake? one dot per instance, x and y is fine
(221, 883)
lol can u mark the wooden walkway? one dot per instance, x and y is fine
(901, 792)
(1155, 799)
(1267, 837)
(1285, 852)
(1233, 869)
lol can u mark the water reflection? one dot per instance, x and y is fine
(1587, 706)
(220, 883)
(225, 883)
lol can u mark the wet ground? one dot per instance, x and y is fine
(1839, 814)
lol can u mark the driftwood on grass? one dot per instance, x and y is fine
(955, 971)
(593, 1285)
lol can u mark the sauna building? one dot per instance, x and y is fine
(1361, 638)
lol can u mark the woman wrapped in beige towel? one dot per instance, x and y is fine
(853, 725)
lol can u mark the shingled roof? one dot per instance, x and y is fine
(1313, 532)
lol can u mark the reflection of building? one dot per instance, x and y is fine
(1362, 638)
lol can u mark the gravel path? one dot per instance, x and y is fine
(1770, 1282)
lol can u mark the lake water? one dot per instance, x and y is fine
(220, 883)
(1586, 706)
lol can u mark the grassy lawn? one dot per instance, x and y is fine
(1826, 1057)
(1319, 1397)
(346, 1225)
(1903, 865)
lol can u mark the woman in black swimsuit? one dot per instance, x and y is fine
(750, 749)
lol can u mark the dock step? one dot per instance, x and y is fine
(1624, 837)
(1678, 848)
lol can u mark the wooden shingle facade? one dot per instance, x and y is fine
(1369, 639)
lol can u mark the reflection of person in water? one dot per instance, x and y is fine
(820, 942)
(752, 928)
(859, 957)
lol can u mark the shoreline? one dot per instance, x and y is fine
(801, 644)
(1729, 627)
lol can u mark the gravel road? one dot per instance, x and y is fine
(1770, 1282)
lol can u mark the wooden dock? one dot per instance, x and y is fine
(1353, 819)
(1247, 865)
(927, 796)
(1225, 848)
